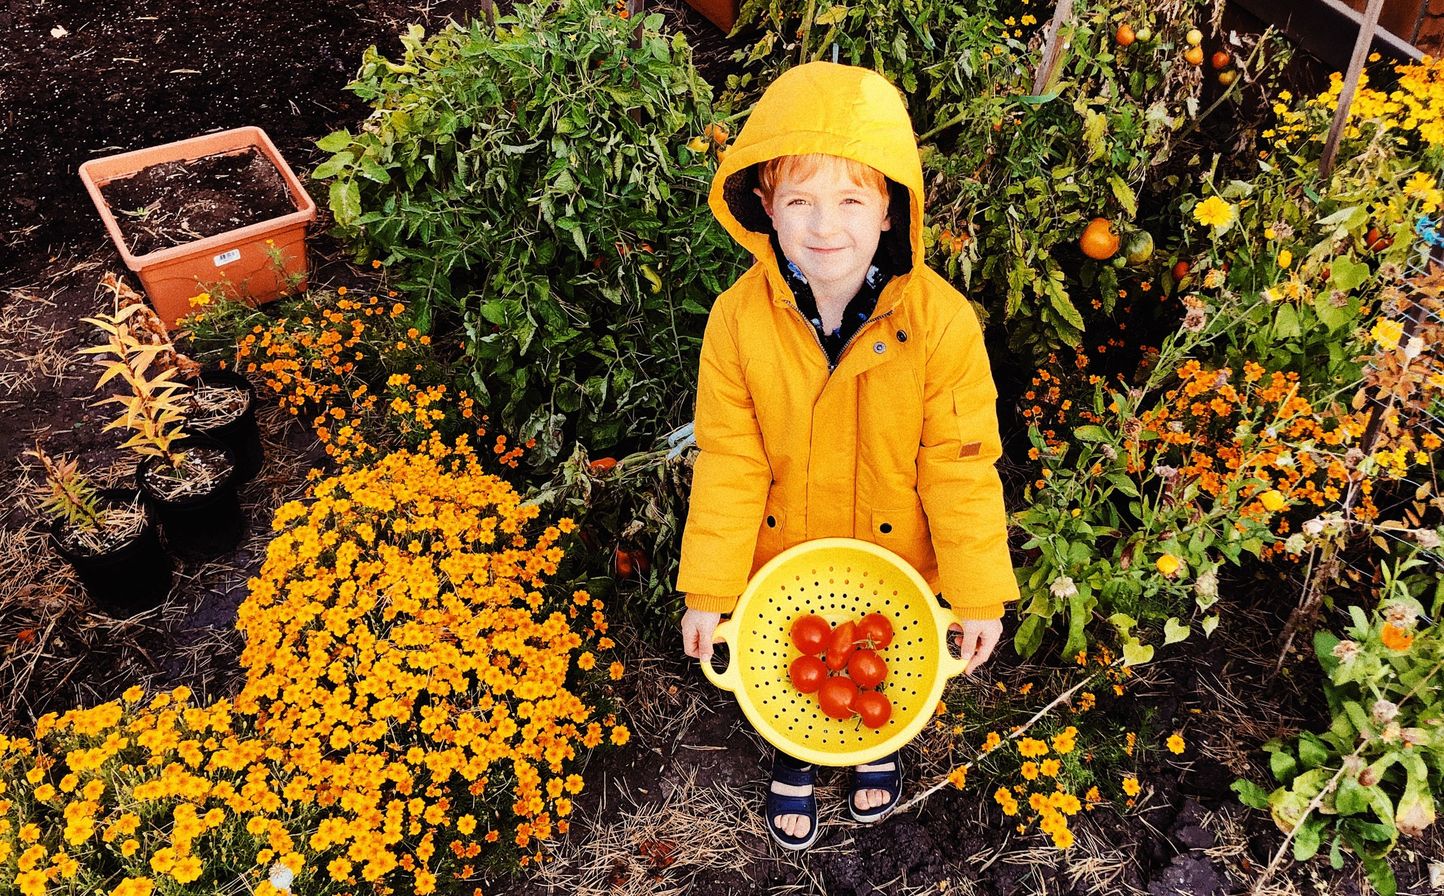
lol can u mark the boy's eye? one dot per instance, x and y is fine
(797, 202)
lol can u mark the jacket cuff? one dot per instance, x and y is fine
(982, 612)
(710, 603)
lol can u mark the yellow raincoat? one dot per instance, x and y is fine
(897, 445)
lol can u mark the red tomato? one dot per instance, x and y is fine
(839, 649)
(807, 674)
(624, 564)
(836, 697)
(874, 708)
(866, 668)
(811, 633)
(876, 628)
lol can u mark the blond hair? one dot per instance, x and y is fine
(773, 171)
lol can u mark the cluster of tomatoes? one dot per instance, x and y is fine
(842, 666)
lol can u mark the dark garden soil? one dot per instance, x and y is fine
(175, 203)
(82, 78)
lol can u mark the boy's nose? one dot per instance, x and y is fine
(826, 220)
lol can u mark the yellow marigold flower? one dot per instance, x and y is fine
(1032, 748)
(1168, 564)
(991, 742)
(1215, 212)
(1131, 786)
(1273, 501)
(187, 869)
(1387, 333)
(1285, 259)
(958, 777)
(586, 661)
(616, 670)
(134, 886)
(1005, 800)
(1175, 743)
(1050, 767)
(1063, 839)
(1065, 741)
(1029, 770)
(133, 694)
(620, 735)
(1064, 802)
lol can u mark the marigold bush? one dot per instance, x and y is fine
(414, 693)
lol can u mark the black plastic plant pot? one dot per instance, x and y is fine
(129, 578)
(240, 434)
(204, 524)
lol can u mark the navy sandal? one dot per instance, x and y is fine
(889, 780)
(786, 770)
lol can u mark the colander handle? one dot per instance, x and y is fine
(729, 679)
(948, 664)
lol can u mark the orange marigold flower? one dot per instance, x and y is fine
(1396, 638)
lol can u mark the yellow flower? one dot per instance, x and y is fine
(1387, 333)
(958, 777)
(1032, 748)
(1029, 770)
(1168, 565)
(1285, 259)
(1273, 501)
(1051, 767)
(991, 742)
(134, 886)
(1175, 743)
(1215, 213)
(620, 735)
(1130, 786)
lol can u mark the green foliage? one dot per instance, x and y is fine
(534, 179)
(1116, 533)
(1373, 773)
(629, 514)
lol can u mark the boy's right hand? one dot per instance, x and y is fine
(697, 628)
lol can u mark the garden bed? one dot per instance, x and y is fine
(677, 808)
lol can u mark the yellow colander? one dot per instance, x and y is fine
(838, 579)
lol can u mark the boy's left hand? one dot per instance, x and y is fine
(977, 640)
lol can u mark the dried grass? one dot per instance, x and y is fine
(656, 848)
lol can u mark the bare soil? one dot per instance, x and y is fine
(175, 203)
(678, 810)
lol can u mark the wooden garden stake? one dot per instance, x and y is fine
(1367, 27)
(1054, 46)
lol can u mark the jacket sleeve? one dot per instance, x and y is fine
(731, 477)
(957, 481)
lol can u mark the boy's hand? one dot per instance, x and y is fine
(697, 628)
(979, 637)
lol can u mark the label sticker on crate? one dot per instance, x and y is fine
(227, 257)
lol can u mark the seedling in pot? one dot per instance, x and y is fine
(85, 523)
(153, 409)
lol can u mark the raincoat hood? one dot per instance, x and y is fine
(840, 110)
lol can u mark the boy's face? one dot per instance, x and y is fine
(828, 226)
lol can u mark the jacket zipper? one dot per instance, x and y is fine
(842, 351)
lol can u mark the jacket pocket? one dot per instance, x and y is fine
(770, 538)
(903, 531)
(977, 420)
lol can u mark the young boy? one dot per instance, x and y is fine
(844, 389)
